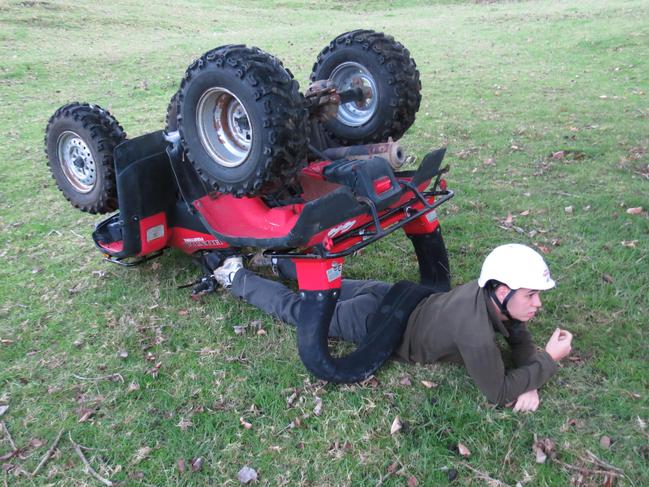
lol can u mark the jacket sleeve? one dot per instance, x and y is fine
(485, 365)
(522, 347)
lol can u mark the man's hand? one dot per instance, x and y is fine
(559, 344)
(528, 401)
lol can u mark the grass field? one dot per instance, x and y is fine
(505, 84)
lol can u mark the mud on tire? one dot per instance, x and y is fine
(382, 64)
(241, 120)
(79, 143)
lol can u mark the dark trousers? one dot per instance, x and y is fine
(358, 302)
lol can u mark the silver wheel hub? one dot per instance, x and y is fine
(224, 127)
(77, 162)
(353, 75)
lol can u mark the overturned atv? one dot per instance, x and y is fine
(247, 161)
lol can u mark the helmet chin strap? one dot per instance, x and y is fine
(502, 305)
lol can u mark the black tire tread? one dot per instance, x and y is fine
(404, 77)
(284, 151)
(107, 133)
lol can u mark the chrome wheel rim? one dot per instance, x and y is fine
(353, 75)
(76, 161)
(224, 127)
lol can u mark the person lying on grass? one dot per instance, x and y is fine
(456, 326)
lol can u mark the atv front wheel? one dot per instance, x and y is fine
(79, 143)
(380, 66)
(242, 121)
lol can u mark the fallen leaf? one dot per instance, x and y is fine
(317, 410)
(543, 449)
(122, 354)
(543, 249)
(36, 443)
(412, 481)
(239, 329)
(568, 210)
(6, 341)
(605, 442)
(183, 312)
(634, 211)
(3, 408)
(641, 423)
(247, 475)
(291, 399)
(524, 213)
(629, 243)
(85, 414)
(181, 465)
(133, 386)
(463, 450)
(245, 423)
(607, 278)
(428, 384)
(393, 467)
(196, 464)
(261, 331)
(489, 162)
(141, 454)
(154, 371)
(405, 381)
(371, 381)
(396, 426)
(558, 155)
(184, 424)
(509, 219)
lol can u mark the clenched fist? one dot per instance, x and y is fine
(559, 344)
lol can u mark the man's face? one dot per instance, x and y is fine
(524, 304)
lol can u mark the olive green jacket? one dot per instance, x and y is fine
(461, 326)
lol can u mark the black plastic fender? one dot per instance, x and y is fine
(389, 324)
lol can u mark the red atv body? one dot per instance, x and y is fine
(329, 204)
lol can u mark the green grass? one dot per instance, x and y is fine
(508, 81)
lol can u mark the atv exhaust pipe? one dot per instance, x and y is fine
(390, 151)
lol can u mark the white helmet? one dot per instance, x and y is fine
(517, 266)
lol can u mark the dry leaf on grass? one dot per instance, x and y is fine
(245, 423)
(543, 449)
(396, 426)
(85, 414)
(428, 384)
(196, 464)
(568, 210)
(605, 442)
(629, 243)
(463, 450)
(247, 475)
(141, 454)
(181, 465)
(412, 481)
(185, 423)
(317, 410)
(3, 408)
(405, 381)
(607, 278)
(634, 211)
(291, 399)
